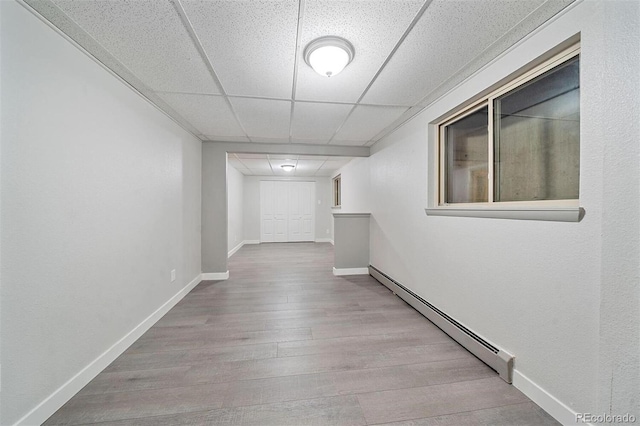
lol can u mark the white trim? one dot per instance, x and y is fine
(544, 399)
(350, 271)
(235, 249)
(561, 214)
(324, 240)
(64, 393)
(252, 241)
(215, 276)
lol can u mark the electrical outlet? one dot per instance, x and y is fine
(173, 275)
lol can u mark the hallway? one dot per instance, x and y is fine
(284, 342)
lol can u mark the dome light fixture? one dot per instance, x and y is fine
(288, 167)
(329, 55)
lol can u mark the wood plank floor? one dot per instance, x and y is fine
(284, 342)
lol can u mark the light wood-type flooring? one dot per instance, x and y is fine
(284, 342)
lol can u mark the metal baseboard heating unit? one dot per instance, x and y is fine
(497, 359)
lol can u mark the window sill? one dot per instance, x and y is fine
(336, 207)
(558, 214)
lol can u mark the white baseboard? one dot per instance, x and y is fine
(350, 271)
(324, 240)
(235, 249)
(215, 276)
(64, 393)
(544, 399)
(252, 241)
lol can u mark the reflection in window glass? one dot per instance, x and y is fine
(466, 159)
(537, 138)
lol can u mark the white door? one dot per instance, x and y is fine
(273, 212)
(308, 208)
(287, 211)
(295, 211)
(301, 211)
(280, 208)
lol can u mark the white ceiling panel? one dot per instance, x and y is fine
(236, 163)
(334, 164)
(226, 138)
(366, 122)
(373, 27)
(449, 35)
(292, 157)
(308, 165)
(251, 43)
(263, 118)
(256, 163)
(242, 155)
(209, 114)
(175, 51)
(148, 37)
(307, 123)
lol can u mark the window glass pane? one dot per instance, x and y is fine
(466, 159)
(537, 138)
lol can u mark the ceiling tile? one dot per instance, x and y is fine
(365, 122)
(324, 173)
(209, 114)
(215, 138)
(236, 163)
(333, 164)
(263, 118)
(243, 155)
(373, 27)
(292, 157)
(448, 36)
(251, 43)
(317, 121)
(309, 165)
(148, 37)
(256, 163)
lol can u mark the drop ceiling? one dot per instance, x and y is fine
(233, 70)
(270, 165)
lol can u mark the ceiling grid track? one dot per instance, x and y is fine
(177, 4)
(301, 4)
(413, 23)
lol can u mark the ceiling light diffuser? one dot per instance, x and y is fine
(328, 55)
(288, 167)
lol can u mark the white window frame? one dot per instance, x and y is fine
(554, 210)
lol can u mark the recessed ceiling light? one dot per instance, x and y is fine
(288, 167)
(328, 55)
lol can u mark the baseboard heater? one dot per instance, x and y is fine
(497, 359)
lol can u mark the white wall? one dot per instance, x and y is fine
(355, 186)
(100, 200)
(252, 206)
(553, 294)
(235, 201)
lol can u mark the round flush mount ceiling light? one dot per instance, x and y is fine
(328, 55)
(288, 167)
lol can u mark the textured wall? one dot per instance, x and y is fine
(100, 201)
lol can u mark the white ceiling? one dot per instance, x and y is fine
(270, 165)
(233, 70)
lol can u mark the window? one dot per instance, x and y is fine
(336, 192)
(516, 148)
